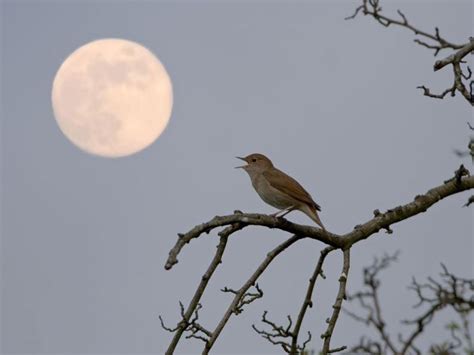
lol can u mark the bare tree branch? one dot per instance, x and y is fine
(420, 204)
(427, 92)
(451, 290)
(247, 298)
(460, 182)
(372, 282)
(288, 338)
(318, 271)
(341, 294)
(278, 334)
(381, 221)
(241, 292)
(246, 220)
(373, 9)
(292, 346)
(192, 326)
(183, 324)
(456, 57)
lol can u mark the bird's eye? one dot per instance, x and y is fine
(254, 160)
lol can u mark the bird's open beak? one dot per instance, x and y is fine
(242, 166)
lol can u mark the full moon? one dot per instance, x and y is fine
(112, 97)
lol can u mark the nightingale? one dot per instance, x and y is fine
(279, 189)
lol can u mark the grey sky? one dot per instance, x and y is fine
(332, 102)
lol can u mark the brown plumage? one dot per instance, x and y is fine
(279, 189)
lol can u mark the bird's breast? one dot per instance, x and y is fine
(271, 195)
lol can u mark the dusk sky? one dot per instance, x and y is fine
(334, 103)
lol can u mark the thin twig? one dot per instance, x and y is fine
(251, 281)
(337, 305)
(238, 221)
(182, 325)
(373, 9)
(318, 271)
(450, 290)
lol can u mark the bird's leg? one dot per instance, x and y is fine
(288, 210)
(285, 211)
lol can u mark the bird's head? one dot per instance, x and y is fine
(255, 163)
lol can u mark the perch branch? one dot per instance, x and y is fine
(460, 182)
(420, 204)
(246, 220)
(381, 221)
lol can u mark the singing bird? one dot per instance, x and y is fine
(278, 189)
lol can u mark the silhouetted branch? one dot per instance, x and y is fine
(370, 300)
(427, 92)
(307, 303)
(368, 346)
(420, 204)
(341, 294)
(460, 182)
(233, 307)
(192, 326)
(381, 221)
(456, 57)
(451, 290)
(291, 346)
(184, 323)
(247, 219)
(373, 9)
(278, 334)
(247, 298)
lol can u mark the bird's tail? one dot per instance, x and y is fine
(312, 213)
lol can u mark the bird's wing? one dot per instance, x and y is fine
(279, 180)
